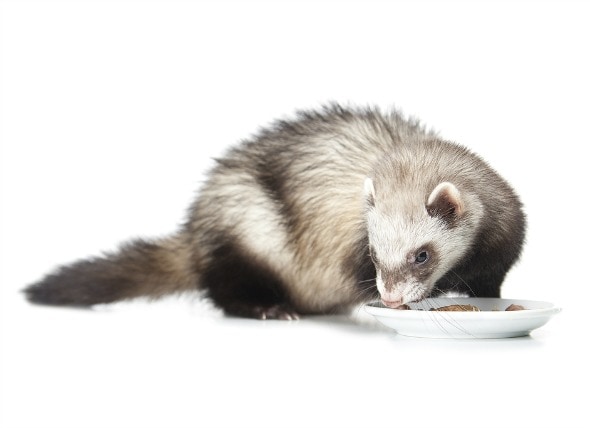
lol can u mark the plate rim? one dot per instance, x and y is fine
(550, 308)
(478, 322)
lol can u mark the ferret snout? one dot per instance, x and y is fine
(396, 291)
(392, 302)
(390, 290)
(393, 298)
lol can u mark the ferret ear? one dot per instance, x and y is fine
(369, 192)
(445, 202)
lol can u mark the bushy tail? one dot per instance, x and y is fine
(139, 268)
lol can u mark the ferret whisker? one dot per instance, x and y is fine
(438, 317)
(366, 295)
(464, 282)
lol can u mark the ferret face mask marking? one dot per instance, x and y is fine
(402, 242)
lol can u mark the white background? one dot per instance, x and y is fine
(111, 113)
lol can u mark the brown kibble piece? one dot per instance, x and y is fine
(457, 308)
(514, 307)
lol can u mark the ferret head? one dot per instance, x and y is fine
(415, 237)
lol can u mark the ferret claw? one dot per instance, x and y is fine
(277, 312)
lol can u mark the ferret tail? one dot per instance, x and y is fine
(139, 268)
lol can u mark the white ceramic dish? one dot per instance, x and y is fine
(492, 322)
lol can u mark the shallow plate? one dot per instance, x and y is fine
(492, 322)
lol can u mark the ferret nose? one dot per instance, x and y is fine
(391, 304)
(392, 299)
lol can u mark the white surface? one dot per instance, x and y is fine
(491, 322)
(111, 112)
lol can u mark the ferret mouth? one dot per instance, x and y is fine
(392, 303)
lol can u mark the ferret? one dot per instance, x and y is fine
(317, 214)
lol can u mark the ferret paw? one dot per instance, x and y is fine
(276, 312)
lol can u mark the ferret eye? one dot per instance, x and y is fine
(421, 257)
